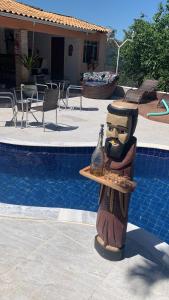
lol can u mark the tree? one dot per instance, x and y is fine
(148, 55)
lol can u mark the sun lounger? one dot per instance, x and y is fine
(144, 92)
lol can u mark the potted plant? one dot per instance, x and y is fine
(29, 62)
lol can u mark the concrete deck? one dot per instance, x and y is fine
(48, 253)
(77, 127)
(49, 259)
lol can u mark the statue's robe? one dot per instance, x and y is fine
(112, 214)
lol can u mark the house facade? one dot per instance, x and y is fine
(66, 45)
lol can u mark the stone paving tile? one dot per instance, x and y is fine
(14, 248)
(21, 228)
(82, 234)
(74, 126)
(62, 265)
(143, 285)
(18, 239)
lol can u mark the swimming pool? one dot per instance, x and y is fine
(49, 177)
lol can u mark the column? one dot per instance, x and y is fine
(21, 48)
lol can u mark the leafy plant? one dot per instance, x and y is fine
(29, 61)
(148, 55)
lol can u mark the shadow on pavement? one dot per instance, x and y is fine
(155, 263)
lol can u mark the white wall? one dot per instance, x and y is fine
(72, 63)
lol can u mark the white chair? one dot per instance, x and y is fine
(62, 86)
(24, 97)
(77, 88)
(10, 97)
(41, 90)
(50, 102)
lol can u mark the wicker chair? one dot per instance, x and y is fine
(100, 85)
(145, 92)
(50, 102)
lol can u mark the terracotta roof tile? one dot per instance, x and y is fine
(13, 7)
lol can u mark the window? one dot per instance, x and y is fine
(90, 51)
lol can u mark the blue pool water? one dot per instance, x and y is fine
(51, 178)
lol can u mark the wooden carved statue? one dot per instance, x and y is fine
(120, 149)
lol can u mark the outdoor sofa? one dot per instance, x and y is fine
(99, 85)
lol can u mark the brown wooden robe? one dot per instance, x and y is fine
(112, 215)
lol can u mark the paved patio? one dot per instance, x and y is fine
(49, 259)
(49, 254)
(77, 127)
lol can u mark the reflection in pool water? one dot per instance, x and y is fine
(51, 179)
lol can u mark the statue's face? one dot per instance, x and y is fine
(118, 129)
(121, 123)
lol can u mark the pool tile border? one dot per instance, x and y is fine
(61, 214)
(162, 153)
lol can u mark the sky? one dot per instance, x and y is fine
(116, 14)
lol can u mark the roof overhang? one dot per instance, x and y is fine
(38, 21)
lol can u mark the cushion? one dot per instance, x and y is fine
(105, 77)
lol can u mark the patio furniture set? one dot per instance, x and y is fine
(39, 97)
(22, 101)
(99, 85)
(53, 95)
(146, 92)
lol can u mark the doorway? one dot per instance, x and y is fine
(7, 59)
(57, 58)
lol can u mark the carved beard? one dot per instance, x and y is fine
(115, 151)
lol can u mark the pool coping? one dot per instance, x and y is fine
(72, 144)
(65, 215)
(47, 213)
